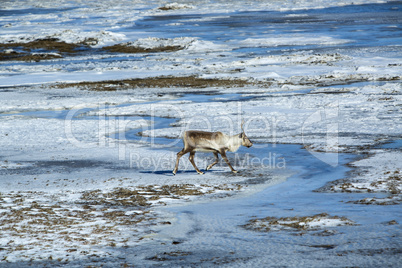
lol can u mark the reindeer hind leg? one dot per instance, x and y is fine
(214, 163)
(191, 158)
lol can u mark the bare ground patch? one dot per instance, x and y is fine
(156, 82)
(379, 172)
(68, 226)
(389, 182)
(40, 49)
(198, 82)
(390, 200)
(128, 48)
(51, 48)
(298, 224)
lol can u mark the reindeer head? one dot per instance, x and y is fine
(245, 140)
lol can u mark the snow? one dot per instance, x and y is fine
(321, 105)
(152, 42)
(295, 40)
(316, 222)
(378, 173)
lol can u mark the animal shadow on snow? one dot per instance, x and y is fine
(182, 172)
(169, 172)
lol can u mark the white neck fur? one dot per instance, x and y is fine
(234, 143)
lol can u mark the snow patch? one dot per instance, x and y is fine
(293, 41)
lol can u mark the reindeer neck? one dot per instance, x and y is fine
(234, 143)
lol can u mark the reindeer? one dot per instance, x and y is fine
(215, 142)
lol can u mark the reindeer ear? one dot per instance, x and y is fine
(241, 135)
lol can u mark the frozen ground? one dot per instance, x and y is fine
(93, 98)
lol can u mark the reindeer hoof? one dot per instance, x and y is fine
(174, 173)
(201, 173)
(234, 171)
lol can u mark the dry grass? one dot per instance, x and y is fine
(391, 200)
(127, 48)
(292, 223)
(38, 50)
(45, 49)
(68, 226)
(156, 82)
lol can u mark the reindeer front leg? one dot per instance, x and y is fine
(191, 158)
(179, 155)
(223, 154)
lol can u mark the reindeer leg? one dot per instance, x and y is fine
(179, 155)
(223, 153)
(214, 163)
(191, 158)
